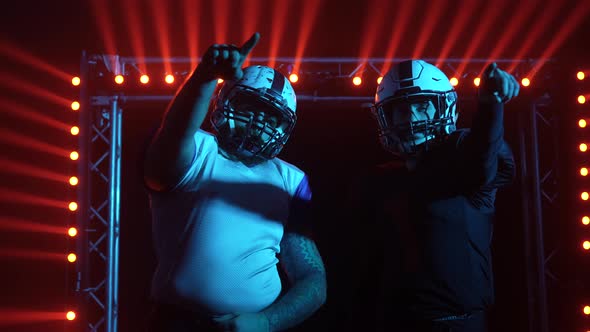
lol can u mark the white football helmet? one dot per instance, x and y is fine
(415, 107)
(254, 116)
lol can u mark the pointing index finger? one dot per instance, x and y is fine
(249, 44)
(490, 69)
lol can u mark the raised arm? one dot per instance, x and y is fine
(172, 149)
(485, 140)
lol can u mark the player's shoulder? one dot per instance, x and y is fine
(287, 168)
(205, 135)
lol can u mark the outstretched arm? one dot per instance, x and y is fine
(485, 140)
(172, 150)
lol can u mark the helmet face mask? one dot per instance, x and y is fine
(415, 108)
(252, 119)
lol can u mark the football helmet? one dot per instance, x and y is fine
(415, 107)
(254, 116)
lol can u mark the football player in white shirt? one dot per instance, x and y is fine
(225, 210)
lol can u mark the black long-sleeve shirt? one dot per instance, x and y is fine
(436, 221)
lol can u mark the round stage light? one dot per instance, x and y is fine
(119, 79)
(72, 257)
(73, 181)
(169, 79)
(293, 78)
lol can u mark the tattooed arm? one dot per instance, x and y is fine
(305, 270)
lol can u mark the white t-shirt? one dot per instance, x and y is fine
(218, 232)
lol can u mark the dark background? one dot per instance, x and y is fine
(331, 143)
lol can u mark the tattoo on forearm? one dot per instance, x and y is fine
(303, 264)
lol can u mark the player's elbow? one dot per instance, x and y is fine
(482, 178)
(321, 286)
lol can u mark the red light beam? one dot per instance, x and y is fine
(432, 17)
(398, 29)
(31, 143)
(311, 8)
(14, 224)
(31, 60)
(574, 18)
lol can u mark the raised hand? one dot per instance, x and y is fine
(497, 85)
(226, 60)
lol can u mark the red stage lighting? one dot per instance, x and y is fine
(72, 258)
(73, 181)
(119, 79)
(70, 315)
(144, 79)
(169, 79)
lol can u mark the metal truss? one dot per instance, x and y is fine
(539, 147)
(100, 162)
(321, 79)
(100, 167)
